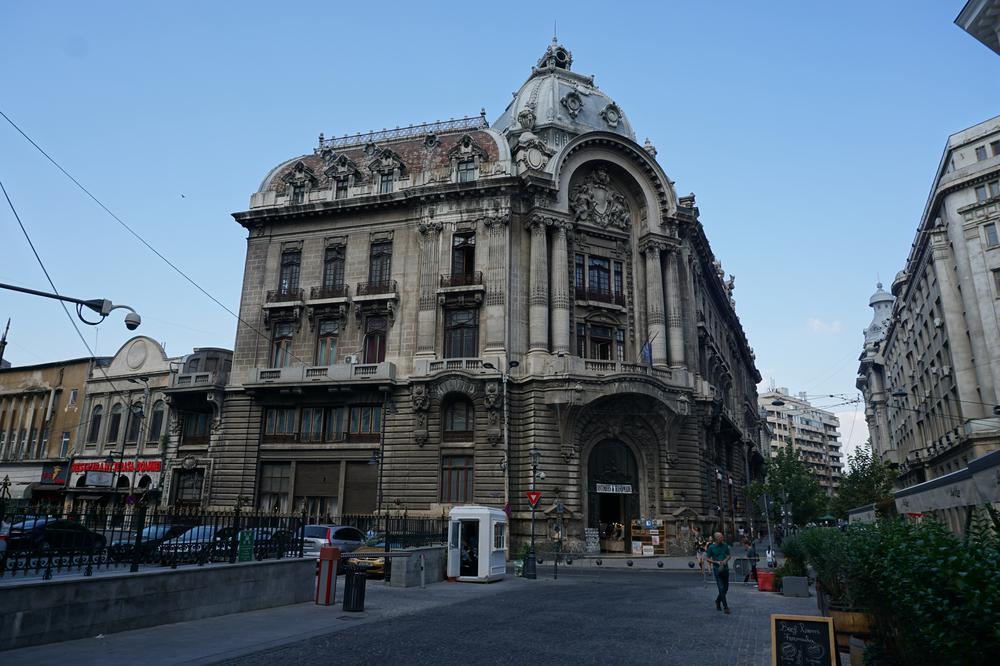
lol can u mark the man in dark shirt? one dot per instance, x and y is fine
(718, 556)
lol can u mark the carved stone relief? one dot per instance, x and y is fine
(595, 202)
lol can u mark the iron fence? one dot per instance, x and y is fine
(391, 532)
(42, 542)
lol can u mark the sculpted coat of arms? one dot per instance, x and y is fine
(595, 202)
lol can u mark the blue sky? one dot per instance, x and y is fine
(809, 132)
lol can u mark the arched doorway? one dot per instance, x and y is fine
(612, 494)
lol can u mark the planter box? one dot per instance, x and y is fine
(847, 623)
(795, 586)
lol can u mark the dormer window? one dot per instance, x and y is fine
(466, 171)
(385, 183)
(298, 194)
(340, 186)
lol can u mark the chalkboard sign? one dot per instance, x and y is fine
(802, 640)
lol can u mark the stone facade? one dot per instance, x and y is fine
(412, 296)
(930, 368)
(814, 433)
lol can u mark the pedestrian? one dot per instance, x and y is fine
(718, 554)
(699, 553)
(753, 558)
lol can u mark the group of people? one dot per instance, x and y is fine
(718, 553)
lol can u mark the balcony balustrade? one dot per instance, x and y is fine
(193, 379)
(329, 291)
(341, 372)
(462, 279)
(600, 295)
(377, 288)
(284, 295)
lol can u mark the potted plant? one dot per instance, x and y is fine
(829, 552)
(790, 577)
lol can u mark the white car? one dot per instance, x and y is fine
(346, 538)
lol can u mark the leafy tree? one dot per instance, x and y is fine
(789, 481)
(868, 481)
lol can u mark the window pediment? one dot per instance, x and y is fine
(300, 174)
(385, 161)
(466, 148)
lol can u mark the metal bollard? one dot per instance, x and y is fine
(326, 577)
(422, 575)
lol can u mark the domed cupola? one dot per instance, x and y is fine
(881, 301)
(556, 103)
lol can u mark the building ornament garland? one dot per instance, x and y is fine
(595, 202)
(421, 402)
(495, 219)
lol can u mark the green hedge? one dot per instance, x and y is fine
(933, 598)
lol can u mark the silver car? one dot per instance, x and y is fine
(346, 538)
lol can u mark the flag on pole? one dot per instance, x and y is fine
(647, 353)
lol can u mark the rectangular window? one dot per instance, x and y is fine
(365, 421)
(72, 398)
(298, 194)
(980, 193)
(280, 422)
(463, 256)
(385, 183)
(132, 432)
(64, 445)
(581, 340)
(461, 333)
(995, 147)
(466, 171)
(326, 341)
(456, 479)
(187, 485)
(981, 153)
(996, 282)
(196, 427)
(994, 188)
(620, 344)
(281, 345)
(600, 343)
(579, 277)
(335, 424)
(311, 429)
(288, 278)
(380, 262)
(275, 486)
(992, 240)
(600, 275)
(619, 283)
(333, 267)
(340, 188)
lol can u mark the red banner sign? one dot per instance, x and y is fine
(123, 466)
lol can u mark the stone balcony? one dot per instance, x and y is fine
(346, 373)
(198, 380)
(424, 366)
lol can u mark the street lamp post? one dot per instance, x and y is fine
(142, 426)
(101, 306)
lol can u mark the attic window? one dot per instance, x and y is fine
(466, 171)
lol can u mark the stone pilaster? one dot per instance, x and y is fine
(560, 289)
(496, 280)
(430, 258)
(656, 332)
(675, 312)
(538, 295)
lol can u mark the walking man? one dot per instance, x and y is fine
(718, 555)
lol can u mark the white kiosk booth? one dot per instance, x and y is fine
(477, 538)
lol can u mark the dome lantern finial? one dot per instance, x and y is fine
(556, 56)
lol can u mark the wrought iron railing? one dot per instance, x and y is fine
(467, 123)
(331, 291)
(42, 544)
(462, 279)
(374, 288)
(282, 295)
(600, 295)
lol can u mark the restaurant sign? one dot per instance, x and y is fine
(119, 466)
(614, 488)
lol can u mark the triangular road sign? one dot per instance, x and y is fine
(533, 497)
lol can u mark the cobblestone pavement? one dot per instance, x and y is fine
(588, 617)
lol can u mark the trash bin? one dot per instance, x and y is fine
(354, 590)
(765, 581)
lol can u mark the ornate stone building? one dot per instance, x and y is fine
(930, 368)
(393, 278)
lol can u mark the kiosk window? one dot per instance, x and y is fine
(498, 536)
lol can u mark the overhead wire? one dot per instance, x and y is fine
(142, 240)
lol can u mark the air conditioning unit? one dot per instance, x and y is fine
(351, 358)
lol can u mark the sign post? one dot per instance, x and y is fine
(533, 498)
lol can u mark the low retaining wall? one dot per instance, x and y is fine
(37, 612)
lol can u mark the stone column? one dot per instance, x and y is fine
(675, 316)
(656, 332)
(496, 280)
(560, 289)
(430, 252)
(538, 295)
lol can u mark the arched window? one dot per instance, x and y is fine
(115, 422)
(458, 420)
(135, 418)
(145, 482)
(96, 414)
(123, 482)
(156, 421)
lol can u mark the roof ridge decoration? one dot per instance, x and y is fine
(467, 123)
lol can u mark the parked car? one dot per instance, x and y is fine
(52, 534)
(366, 557)
(197, 543)
(346, 538)
(4, 531)
(122, 550)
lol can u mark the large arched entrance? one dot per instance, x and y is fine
(612, 494)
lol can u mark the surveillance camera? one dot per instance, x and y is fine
(540, 476)
(132, 321)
